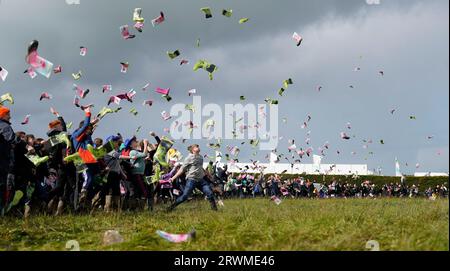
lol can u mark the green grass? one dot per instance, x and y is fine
(333, 224)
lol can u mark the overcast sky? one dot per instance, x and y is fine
(407, 39)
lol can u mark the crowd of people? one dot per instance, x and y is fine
(245, 185)
(78, 173)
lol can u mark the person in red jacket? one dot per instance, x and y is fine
(81, 138)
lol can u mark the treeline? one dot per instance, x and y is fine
(424, 182)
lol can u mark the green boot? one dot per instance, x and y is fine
(104, 112)
(161, 151)
(174, 54)
(97, 153)
(199, 65)
(157, 173)
(72, 158)
(17, 197)
(36, 160)
(60, 138)
(6, 98)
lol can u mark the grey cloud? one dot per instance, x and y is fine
(408, 39)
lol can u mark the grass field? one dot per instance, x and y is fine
(334, 224)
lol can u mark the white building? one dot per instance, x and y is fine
(430, 174)
(317, 168)
(310, 169)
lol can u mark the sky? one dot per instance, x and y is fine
(407, 39)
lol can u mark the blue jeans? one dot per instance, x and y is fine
(191, 184)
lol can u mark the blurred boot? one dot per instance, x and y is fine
(150, 204)
(141, 204)
(1, 205)
(60, 208)
(96, 201)
(213, 205)
(108, 203)
(27, 212)
(132, 204)
(172, 207)
(51, 206)
(116, 202)
(83, 196)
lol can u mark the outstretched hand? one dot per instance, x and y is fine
(54, 112)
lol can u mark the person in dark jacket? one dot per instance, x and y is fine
(149, 168)
(24, 172)
(113, 161)
(58, 144)
(7, 141)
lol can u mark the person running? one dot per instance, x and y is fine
(195, 178)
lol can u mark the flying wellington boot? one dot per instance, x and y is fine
(72, 158)
(97, 152)
(6, 98)
(161, 151)
(36, 160)
(137, 16)
(17, 197)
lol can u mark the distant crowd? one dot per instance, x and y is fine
(245, 185)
